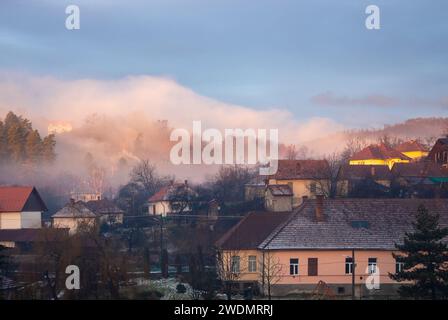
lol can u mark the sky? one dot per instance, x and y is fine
(311, 59)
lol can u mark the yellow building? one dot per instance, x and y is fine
(306, 178)
(379, 155)
(413, 149)
(340, 243)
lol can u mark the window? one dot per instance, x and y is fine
(348, 265)
(398, 266)
(293, 266)
(236, 264)
(312, 266)
(313, 187)
(252, 264)
(372, 265)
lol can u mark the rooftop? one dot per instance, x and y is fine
(387, 221)
(412, 145)
(280, 190)
(20, 198)
(301, 169)
(380, 151)
(74, 209)
(252, 230)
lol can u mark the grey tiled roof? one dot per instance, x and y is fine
(386, 220)
(75, 210)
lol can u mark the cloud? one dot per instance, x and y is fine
(330, 99)
(157, 98)
(119, 118)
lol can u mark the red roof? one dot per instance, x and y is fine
(165, 192)
(251, 231)
(301, 169)
(161, 195)
(14, 199)
(380, 151)
(410, 146)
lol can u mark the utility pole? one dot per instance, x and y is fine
(353, 274)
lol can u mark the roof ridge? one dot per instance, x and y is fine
(282, 225)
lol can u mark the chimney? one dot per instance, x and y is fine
(320, 208)
(186, 183)
(72, 201)
(304, 198)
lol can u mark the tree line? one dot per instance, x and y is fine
(20, 143)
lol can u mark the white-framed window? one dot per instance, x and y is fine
(348, 265)
(252, 267)
(398, 266)
(235, 264)
(294, 266)
(372, 263)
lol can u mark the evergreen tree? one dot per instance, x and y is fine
(3, 143)
(33, 146)
(424, 255)
(48, 145)
(16, 142)
(20, 143)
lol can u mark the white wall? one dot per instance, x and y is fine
(10, 220)
(161, 208)
(32, 219)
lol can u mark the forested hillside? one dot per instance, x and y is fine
(20, 143)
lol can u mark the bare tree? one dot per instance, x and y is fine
(228, 183)
(145, 174)
(326, 177)
(229, 267)
(96, 179)
(182, 198)
(291, 152)
(353, 145)
(270, 271)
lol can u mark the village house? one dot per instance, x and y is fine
(306, 178)
(378, 155)
(279, 197)
(413, 149)
(337, 243)
(21, 211)
(421, 179)
(255, 189)
(168, 198)
(85, 196)
(439, 152)
(20, 208)
(74, 216)
(107, 211)
(351, 177)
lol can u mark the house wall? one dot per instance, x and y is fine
(10, 220)
(162, 208)
(388, 162)
(31, 219)
(279, 203)
(8, 244)
(72, 223)
(439, 153)
(416, 154)
(159, 208)
(300, 188)
(331, 268)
